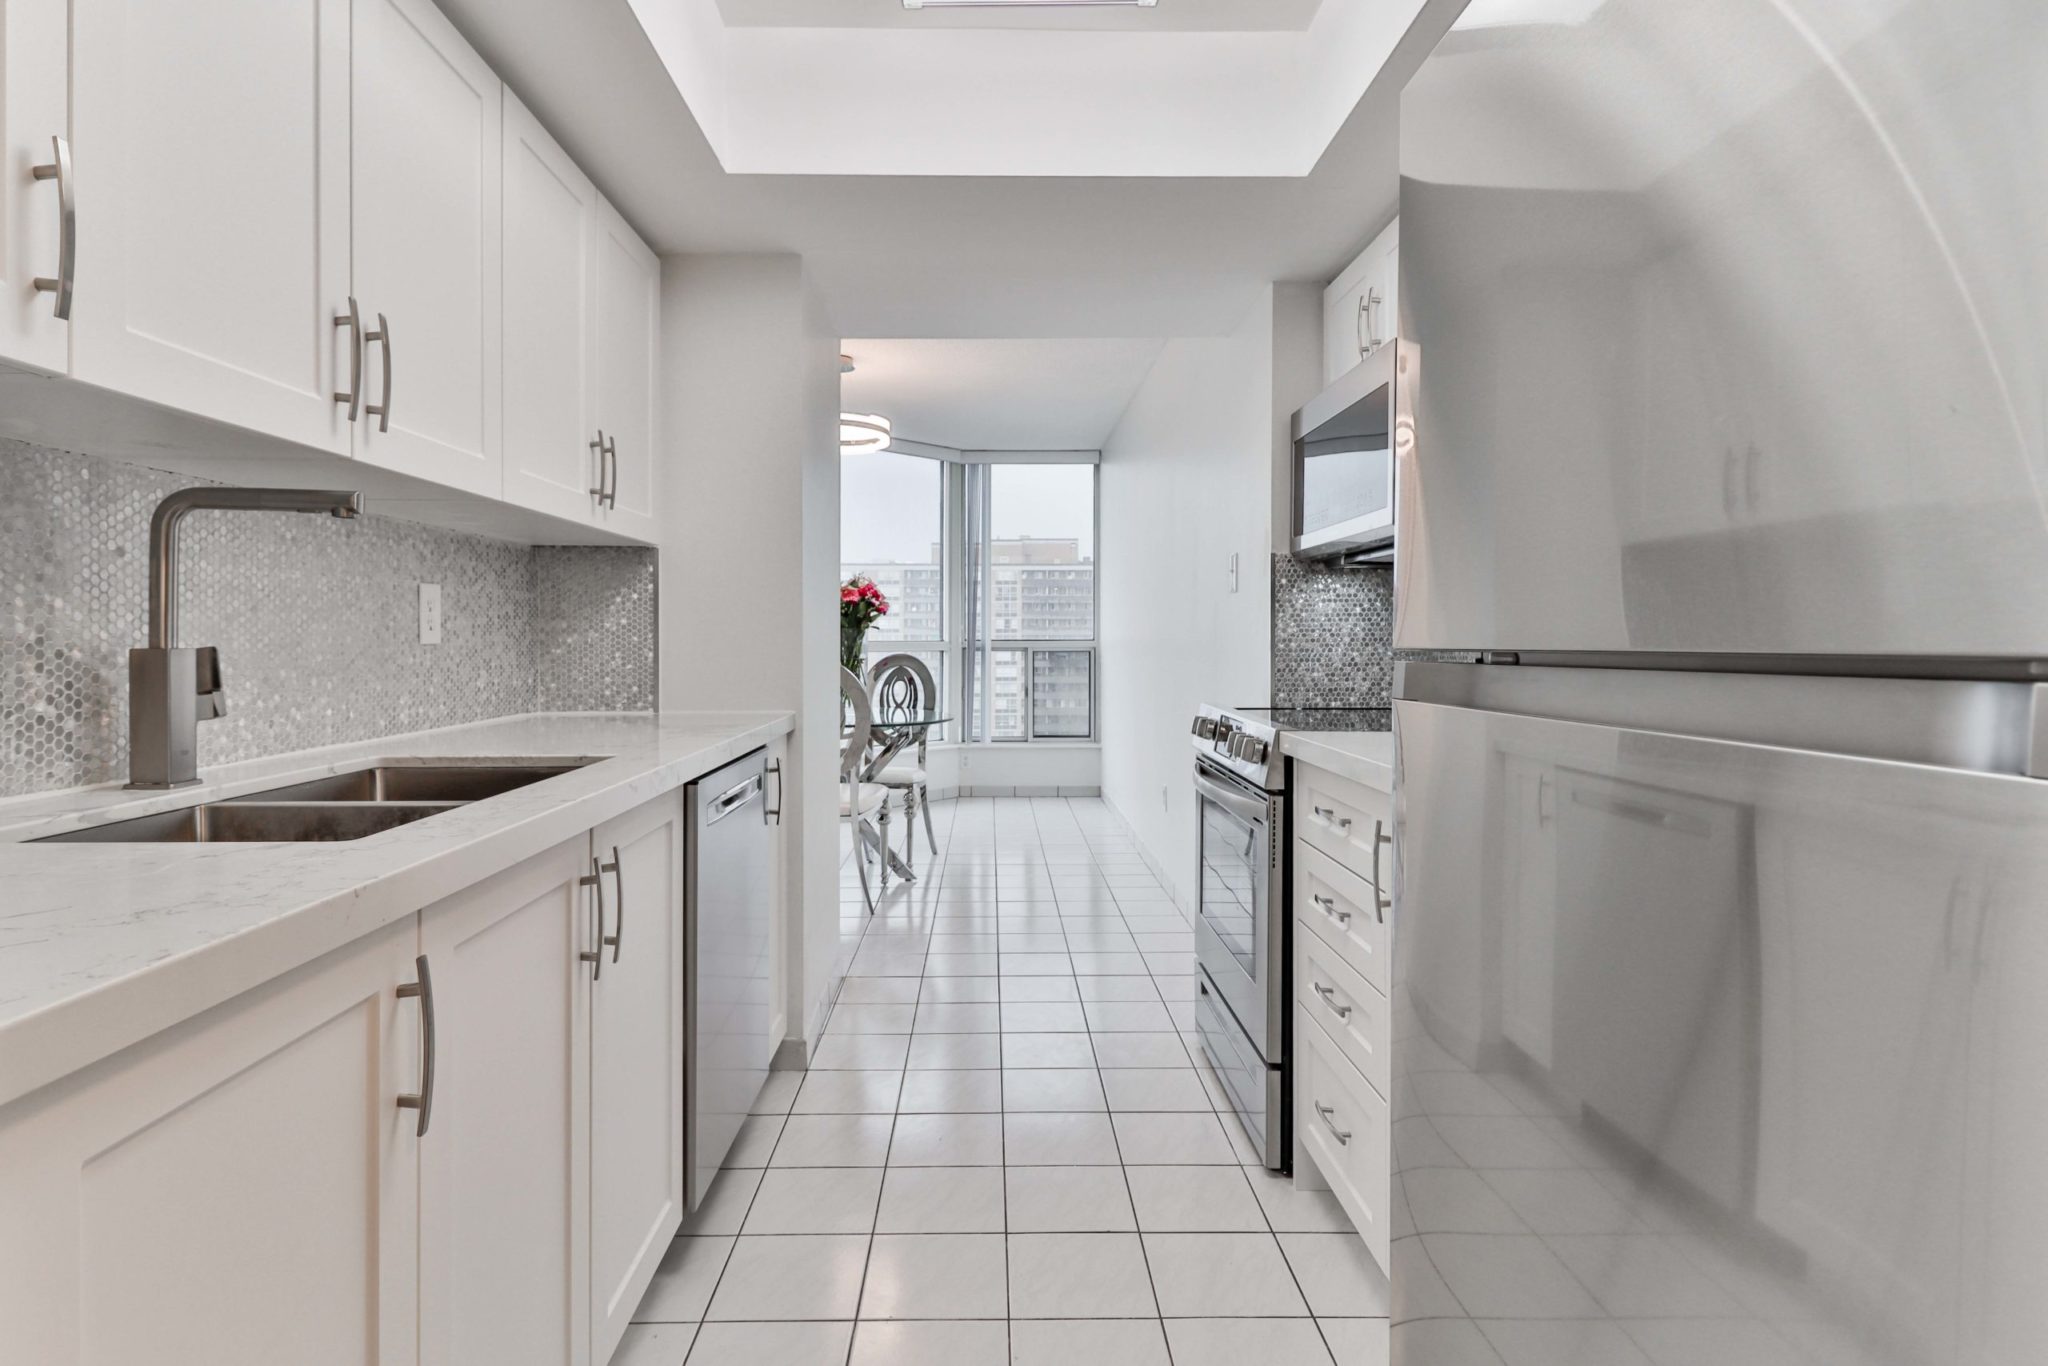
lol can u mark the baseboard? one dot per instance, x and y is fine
(792, 1056)
(940, 794)
(1152, 862)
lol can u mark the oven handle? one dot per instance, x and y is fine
(1236, 803)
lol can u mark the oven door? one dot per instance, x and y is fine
(1238, 920)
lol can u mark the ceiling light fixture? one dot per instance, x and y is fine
(863, 432)
(1024, 4)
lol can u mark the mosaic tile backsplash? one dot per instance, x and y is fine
(1333, 635)
(316, 620)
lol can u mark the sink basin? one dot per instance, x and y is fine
(341, 806)
(256, 822)
(413, 783)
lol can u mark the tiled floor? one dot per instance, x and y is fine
(1008, 1148)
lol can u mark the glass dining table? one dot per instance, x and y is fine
(897, 728)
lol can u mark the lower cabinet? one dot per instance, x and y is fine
(505, 1162)
(636, 1060)
(240, 1189)
(457, 1141)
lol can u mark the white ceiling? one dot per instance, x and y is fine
(1065, 96)
(926, 256)
(1224, 16)
(988, 394)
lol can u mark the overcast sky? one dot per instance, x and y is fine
(889, 506)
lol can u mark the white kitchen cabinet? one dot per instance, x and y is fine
(626, 342)
(1361, 306)
(505, 1164)
(240, 1189)
(211, 142)
(637, 1197)
(33, 112)
(552, 459)
(428, 218)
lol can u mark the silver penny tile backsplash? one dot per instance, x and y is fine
(316, 620)
(1333, 635)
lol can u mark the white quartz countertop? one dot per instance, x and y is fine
(103, 945)
(1362, 756)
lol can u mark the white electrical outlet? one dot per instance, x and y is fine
(430, 614)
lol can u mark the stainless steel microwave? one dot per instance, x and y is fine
(1344, 441)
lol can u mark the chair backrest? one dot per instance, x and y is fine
(856, 729)
(903, 683)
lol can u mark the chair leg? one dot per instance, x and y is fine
(882, 843)
(860, 861)
(910, 828)
(924, 800)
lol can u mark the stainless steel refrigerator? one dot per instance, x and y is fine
(1722, 926)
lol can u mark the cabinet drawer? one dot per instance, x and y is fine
(1345, 1126)
(1339, 907)
(1356, 1015)
(1352, 823)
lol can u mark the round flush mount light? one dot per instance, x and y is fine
(863, 432)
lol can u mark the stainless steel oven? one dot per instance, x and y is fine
(1241, 924)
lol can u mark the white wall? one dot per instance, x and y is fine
(1192, 474)
(750, 553)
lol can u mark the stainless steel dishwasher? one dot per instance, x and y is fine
(727, 967)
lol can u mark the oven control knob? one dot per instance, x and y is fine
(1250, 748)
(1205, 727)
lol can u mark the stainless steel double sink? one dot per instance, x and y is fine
(340, 806)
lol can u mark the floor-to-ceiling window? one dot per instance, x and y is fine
(892, 528)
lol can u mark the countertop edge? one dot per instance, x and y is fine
(1362, 756)
(78, 1030)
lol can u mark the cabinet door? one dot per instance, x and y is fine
(211, 140)
(636, 1062)
(240, 1189)
(504, 1169)
(33, 110)
(628, 330)
(551, 464)
(427, 212)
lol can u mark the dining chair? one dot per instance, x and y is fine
(857, 799)
(903, 683)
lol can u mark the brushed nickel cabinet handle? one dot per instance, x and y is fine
(353, 321)
(619, 908)
(1330, 817)
(774, 812)
(382, 336)
(1328, 906)
(595, 955)
(1324, 1112)
(1330, 999)
(611, 465)
(59, 170)
(1381, 901)
(423, 1101)
(598, 447)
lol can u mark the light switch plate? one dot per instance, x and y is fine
(430, 614)
(1233, 571)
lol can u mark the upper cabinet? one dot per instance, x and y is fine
(1361, 307)
(35, 199)
(325, 222)
(211, 141)
(428, 214)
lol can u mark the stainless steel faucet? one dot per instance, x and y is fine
(172, 689)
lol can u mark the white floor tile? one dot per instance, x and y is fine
(791, 1278)
(1358, 1342)
(684, 1280)
(849, 1093)
(960, 990)
(877, 1343)
(1087, 1342)
(1499, 1276)
(756, 1141)
(1289, 1210)
(947, 1141)
(816, 1200)
(936, 1276)
(1337, 1275)
(929, 1052)
(1173, 1140)
(951, 1092)
(1222, 1275)
(1442, 1342)
(1043, 1017)
(1023, 989)
(1195, 1200)
(1117, 989)
(1044, 1089)
(834, 1141)
(871, 1019)
(1456, 1200)
(1047, 1050)
(1577, 1342)
(777, 1093)
(655, 1344)
(1069, 1200)
(1155, 1088)
(942, 1200)
(958, 1018)
(1079, 1276)
(725, 1204)
(1059, 1140)
(1163, 1049)
(1233, 1342)
(769, 1344)
(853, 1052)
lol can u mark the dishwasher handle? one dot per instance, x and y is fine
(737, 797)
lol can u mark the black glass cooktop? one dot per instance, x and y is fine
(1320, 718)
